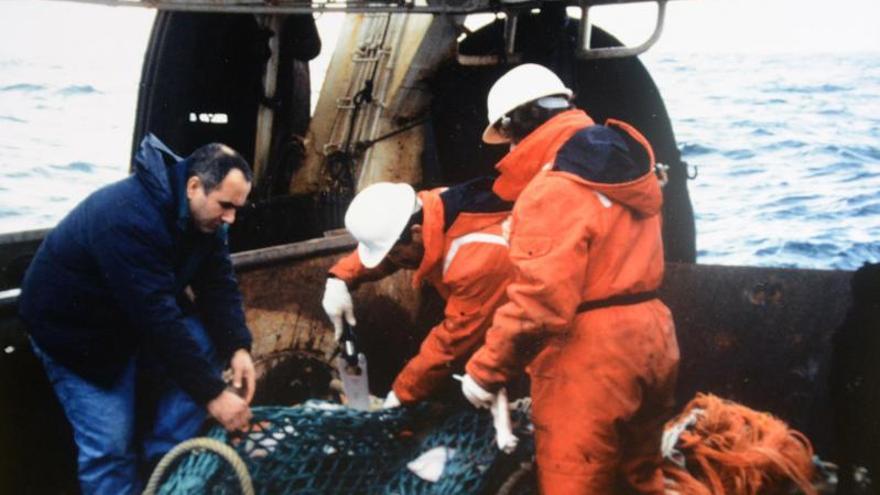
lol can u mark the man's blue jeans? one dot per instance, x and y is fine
(112, 437)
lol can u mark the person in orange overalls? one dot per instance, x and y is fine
(452, 238)
(582, 314)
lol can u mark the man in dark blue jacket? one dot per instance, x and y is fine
(110, 316)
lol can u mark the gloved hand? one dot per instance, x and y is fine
(504, 437)
(391, 400)
(337, 304)
(475, 394)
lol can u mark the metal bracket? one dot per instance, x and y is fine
(512, 9)
(9, 297)
(584, 51)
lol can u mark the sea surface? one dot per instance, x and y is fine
(784, 149)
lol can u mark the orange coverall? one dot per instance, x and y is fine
(586, 228)
(467, 262)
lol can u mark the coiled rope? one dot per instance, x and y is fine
(216, 446)
(724, 447)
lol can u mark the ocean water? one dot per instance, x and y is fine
(68, 95)
(784, 149)
(786, 154)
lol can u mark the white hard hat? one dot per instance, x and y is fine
(518, 86)
(377, 216)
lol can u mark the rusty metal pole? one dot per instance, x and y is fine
(266, 114)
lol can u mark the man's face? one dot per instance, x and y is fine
(408, 255)
(210, 211)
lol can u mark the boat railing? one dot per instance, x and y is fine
(449, 7)
(255, 258)
(332, 242)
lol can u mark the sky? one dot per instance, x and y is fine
(811, 26)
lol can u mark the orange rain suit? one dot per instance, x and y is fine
(586, 230)
(467, 262)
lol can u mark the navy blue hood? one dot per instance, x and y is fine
(151, 163)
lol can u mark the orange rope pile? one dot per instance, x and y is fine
(735, 450)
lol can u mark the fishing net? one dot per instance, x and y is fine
(714, 447)
(323, 448)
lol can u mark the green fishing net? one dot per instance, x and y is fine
(323, 448)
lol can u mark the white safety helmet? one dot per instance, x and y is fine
(377, 216)
(520, 85)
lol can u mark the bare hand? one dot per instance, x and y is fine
(231, 411)
(243, 371)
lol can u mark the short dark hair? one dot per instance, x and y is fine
(415, 219)
(213, 162)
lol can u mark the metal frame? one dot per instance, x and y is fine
(448, 7)
(587, 53)
(351, 6)
(8, 298)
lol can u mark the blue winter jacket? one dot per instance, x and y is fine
(109, 281)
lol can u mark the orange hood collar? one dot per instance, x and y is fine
(518, 167)
(642, 194)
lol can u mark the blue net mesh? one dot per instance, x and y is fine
(323, 448)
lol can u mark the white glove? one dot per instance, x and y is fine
(475, 394)
(337, 303)
(504, 437)
(391, 401)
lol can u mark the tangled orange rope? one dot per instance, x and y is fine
(735, 450)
